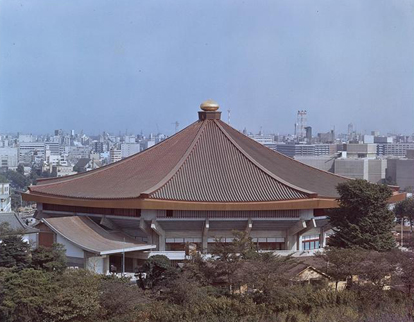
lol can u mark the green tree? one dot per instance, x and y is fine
(404, 273)
(14, 252)
(52, 259)
(228, 257)
(266, 274)
(76, 298)
(363, 218)
(120, 300)
(3, 179)
(24, 295)
(341, 263)
(17, 179)
(405, 209)
(5, 230)
(158, 270)
(377, 269)
(20, 169)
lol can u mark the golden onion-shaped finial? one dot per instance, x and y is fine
(209, 106)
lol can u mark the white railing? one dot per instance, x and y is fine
(172, 255)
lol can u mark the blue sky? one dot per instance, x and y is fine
(134, 65)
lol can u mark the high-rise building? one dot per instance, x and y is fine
(115, 155)
(301, 124)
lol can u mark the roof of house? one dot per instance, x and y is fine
(88, 235)
(82, 163)
(208, 161)
(310, 262)
(16, 223)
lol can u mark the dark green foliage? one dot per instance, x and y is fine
(120, 300)
(158, 271)
(17, 180)
(76, 297)
(404, 275)
(24, 295)
(49, 259)
(341, 263)
(14, 252)
(5, 230)
(259, 290)
(405, 210)
(20, 169)
(363, 219)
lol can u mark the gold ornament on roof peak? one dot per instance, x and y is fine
(209, 106)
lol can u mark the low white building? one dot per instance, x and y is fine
(88, 245)
(15, 223)
(5, 199)
(9, 157)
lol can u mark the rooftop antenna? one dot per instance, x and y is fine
(176, 126)
(228, 116)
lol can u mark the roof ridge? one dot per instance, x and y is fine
(177, 167)
(297, 161)
(261, 167)
(59, 180)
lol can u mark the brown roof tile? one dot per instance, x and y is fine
(216, 170)
(208, 161)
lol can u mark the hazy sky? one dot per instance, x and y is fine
(115, 65)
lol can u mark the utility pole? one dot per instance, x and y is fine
(123, 260)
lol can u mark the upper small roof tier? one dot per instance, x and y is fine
(208, 161)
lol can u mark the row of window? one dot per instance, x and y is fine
(223, 239)
(310, 245)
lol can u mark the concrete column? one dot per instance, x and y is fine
(205, 236)
(105, 265)
(291, 241)
(249, 225)
(146, 229)
(161, 235)
(321, 238)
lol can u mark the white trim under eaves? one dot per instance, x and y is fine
(130, 249)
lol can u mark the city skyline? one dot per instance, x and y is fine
(138, 66)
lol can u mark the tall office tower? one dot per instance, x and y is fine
(308, 130)
(350, 129)
(301, 121)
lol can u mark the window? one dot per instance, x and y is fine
(310, 242)
(169, 213)
(178, 244)
(269, 243)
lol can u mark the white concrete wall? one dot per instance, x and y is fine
(352, 168)
(32, 239)
(71, 249)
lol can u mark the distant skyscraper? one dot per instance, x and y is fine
(301, 124)
(308, 130)
(350, 128)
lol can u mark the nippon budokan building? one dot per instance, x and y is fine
(200, 184)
